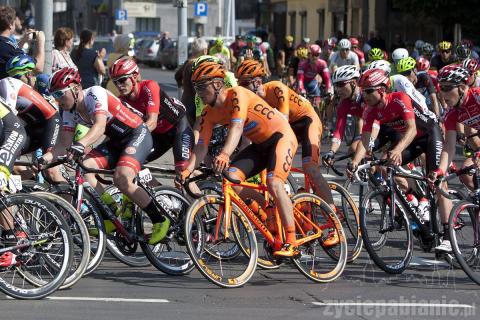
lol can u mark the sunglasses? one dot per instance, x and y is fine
(369, 90)
(341, 84)
(121, 80)
(202, 86)
(445, 51)
(344, 50)
(60, 93)
(447, 87)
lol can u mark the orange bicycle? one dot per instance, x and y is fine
(217, 224)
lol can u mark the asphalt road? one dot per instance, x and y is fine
(428, 289)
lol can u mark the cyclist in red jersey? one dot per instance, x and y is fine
(464, 108)
(358, 51)
(129, 141)
(165, 117)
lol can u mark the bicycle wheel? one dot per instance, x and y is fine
(169, 255)
(206, 247)
(464, 222)
(80, 237)
(127, 253)
(92, 218)
(390, 248)
(312, 263)
(42, 243)
(347, 213)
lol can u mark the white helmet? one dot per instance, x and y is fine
(399, 54)
(380, 64)
(306, 40)
(345, 73)
(419, 44)
(344, 44)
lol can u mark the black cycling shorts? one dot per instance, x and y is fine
(131, 151)
(431, 143)
(13, 138)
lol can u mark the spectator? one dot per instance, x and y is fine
(184, 74)
(165, 41)
(121, 45)
(89, 62)
(236, 47)
(221, 51)
(63, 42)
(8, 48)
(376, 41)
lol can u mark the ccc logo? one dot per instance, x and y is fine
(288, 160)
(266, 111)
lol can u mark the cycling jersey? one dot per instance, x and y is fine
(337, 60)
(121, 120)
(437, 63)
(360, 55)
(354, 107)
(468, 113)
(308, 71)
(13, 134)
(37, 112)
(224, 51)
(426, 87)
(151, 99)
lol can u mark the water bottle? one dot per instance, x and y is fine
(423, 209)
(412, 200)
(414, 226)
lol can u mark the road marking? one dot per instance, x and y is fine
(394, 304)
(107, 299)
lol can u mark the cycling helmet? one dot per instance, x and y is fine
(375, 54)
(123, 67)
(250, 38)
(345, 73)
(250, 69)
(204, 58)
(63, 78)
(41, 84)
(406, 64)
(258, 40)
(428, 49)
(467, 42)
(399, 54)
(374, 78)
(218, 42)
(471, 65)
(207, 70)
(315, 50)
(445, 45)
(302, 53)
(419, 44)
(453, 73)
(331, 42)
(463, 52)
(344, 44)
(306, 40)
(423, 64)
(354, 42)
(17, 66)
(288, 38)
(380, 64)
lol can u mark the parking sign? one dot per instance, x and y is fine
(201, 9)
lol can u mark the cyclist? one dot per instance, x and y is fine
(40, 116)
(397, 55)
(220, 50)
(273, 141)
(422, 82)
(464, 107)
(473, 67)
(418, 48)
(358, 51)
(285, 55)
(463, 52)
(165, 117)
(427, 51)
(346, 87)
(444, 56)
(375, 54)
(302, 55)
(344, 56)
(126, 150)
(250, 50)
(329, 46)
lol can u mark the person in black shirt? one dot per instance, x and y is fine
(8, 47)
(444, 56)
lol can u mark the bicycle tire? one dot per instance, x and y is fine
(198, 234)
(42, 215)
(330, 269)
(80, 237)
(93, 220)
(468, 256)
(391, 266)
(177, 262)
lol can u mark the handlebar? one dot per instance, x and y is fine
(205, 173)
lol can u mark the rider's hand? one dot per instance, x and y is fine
(328, 158)
(352, 166)
(42, 161)
(395, 157)
(75, 151)
(476, 159)
(434, 175)
(461, 138)
(181, 177)
(221, 162)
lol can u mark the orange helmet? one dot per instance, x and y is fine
(250, 69)
(208, 70)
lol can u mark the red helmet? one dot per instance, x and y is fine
(354, 42)
(374, 78)
(471, 65)
(423, 64)
(63, 78)
(453, 73)
(123, 67)
(315, 50)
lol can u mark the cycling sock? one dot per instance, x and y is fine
(290, 235)
(153, 213)
(446, 233)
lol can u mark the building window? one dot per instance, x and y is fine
(321, 22)
(303, 24)
(293, 23)
(147, 24)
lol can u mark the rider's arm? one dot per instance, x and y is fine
(409, 135)
(233, 138)
(435, 104)
(203, 130)
(448, 151)
(325, 73)
(153, 104)
(96, 131)
(301, 76)
(339, 126)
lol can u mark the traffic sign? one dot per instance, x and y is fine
(201, 9)
(121, 14)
